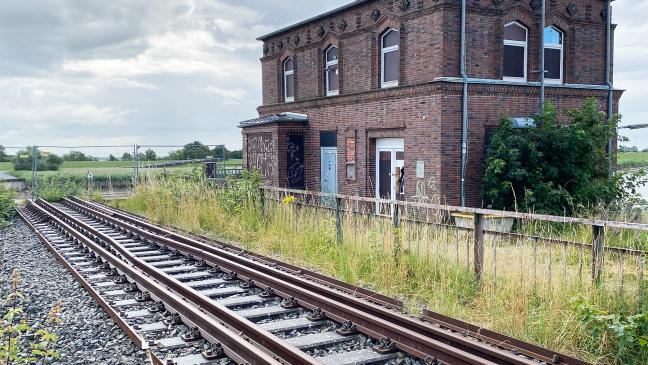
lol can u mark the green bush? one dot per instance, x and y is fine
(555, 168)
(624, 337)
(45, 161)
(7, 205)
(55, 188)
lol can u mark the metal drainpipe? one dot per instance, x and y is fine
(464, 116)
(608, 69)
(542, 56)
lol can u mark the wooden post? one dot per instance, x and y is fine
(338, 219)
(396, 216)
(262, 202)
(478, 245)
(598, 242)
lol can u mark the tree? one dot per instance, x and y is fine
(3, 154)
(44, 161)
(236, 155)
(77, 156)
(195, 150)
(220, 152)
(176, 155)
(149, 155)
(127, 157)
(554, 168)
(644, 150)
(112, 157)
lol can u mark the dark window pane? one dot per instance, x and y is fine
(384, 175)
(328, 139)
(515, 32)
(552, 36)
(332, 54)
(552, 63)
(333, 78)
(513, 61)
(392, 66)
(400, 156)
(290, 86)
(288, 65)
(391, 39)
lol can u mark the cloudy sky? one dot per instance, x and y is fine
(82, 72)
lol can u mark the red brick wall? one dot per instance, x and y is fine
(430, 44)
(425, 112)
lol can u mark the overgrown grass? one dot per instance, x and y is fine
(528, 291)
(7, 205)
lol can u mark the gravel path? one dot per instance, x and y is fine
(87, 334)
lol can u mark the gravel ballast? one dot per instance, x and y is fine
(87, 334)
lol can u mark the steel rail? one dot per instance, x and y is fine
(387, 302)
(211, 328)
(437, 320)
(266, 341)
(410, 334)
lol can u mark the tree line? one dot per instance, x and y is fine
(45, 161)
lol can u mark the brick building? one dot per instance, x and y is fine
(368, 99)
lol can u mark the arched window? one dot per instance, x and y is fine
(289, 80)
(332, 71)
(515, 52)
(390, 58)
(553, 39)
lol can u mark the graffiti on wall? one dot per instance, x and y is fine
(261, 157)
(295, 156)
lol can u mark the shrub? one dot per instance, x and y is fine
(623, 336)
(555, 168)
(55, 188)
(7, 205)
(45, 161)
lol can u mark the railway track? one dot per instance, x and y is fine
(187, 301)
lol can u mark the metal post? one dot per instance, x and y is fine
(598, 243)
(136, 163)
(464, 113)
(478, 245)
(338, 219)
(542, 57)
(34, 156)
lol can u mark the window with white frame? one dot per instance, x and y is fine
(553, 51)
(332, 71)
(390, 58)
(289, 80)
(515, 52)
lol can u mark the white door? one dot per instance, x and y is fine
(390, 162)
(328, 181)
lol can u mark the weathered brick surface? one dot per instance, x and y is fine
(423, 110)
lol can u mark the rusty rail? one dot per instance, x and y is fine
(454, 343)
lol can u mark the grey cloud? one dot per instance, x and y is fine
(173, 71)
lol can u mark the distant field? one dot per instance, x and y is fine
(104, 170)
(632, 159)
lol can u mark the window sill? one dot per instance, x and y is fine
(333, 93)
(289, 100)
(514, 79)
(387, 85)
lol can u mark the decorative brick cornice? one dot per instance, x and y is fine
(441, 87)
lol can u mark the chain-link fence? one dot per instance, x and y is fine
(51, 171)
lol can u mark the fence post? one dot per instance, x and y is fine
(136, 159)
(262, 202)
(396, 216)
(598, 243)
(34, 172)
(338, 219)
(478, 245)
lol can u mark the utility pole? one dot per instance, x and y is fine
(542, 57)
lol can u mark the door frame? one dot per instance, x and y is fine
(323, 150)
(392, 145)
